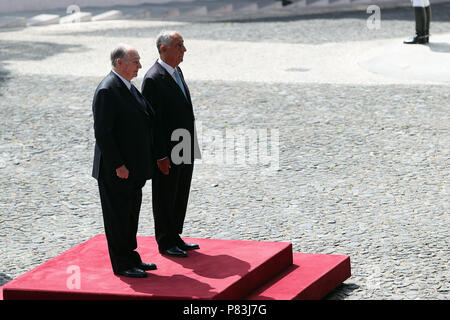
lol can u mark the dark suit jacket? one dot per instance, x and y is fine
(123, 130)
(173, 110)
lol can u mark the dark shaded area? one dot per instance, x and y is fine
(343, 291)
(312, 29)
(24, 50)
(4, 76)
(207, 266)
(201, 264)
(4, 279)
(5, 30)
(441, 12)
(439, 47)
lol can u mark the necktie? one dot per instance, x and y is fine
(138, 98)
(180, 84)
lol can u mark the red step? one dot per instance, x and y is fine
(221, 269)
(311, 277)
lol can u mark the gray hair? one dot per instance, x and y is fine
(164, 38)
(119, 53)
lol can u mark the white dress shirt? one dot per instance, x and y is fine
(127, 83)
(169, 69)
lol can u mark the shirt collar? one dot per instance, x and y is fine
(127, 83)
(168, 68)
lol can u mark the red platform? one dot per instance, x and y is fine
(221, 269)
(310, 277)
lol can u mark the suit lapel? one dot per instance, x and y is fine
(126, 92)
(173, 84)
(148, 105)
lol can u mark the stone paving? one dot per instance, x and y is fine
(363, 165)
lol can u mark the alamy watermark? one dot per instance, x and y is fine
(73, 282)
(74, 11)
(235, 147)
(253, 148)
(374, 20)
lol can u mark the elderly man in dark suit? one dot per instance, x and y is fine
(165, 88)
(123, 159)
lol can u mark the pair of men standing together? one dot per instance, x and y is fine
(133, 144)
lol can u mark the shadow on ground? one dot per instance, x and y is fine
(25, 50)
(28, 50)
(342, 291)
(4, 279)
(4, 77)
(439, 47)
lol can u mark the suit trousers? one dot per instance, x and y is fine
(170, 195)
(121, 203)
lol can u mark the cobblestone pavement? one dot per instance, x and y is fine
(363, 160)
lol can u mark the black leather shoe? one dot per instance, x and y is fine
(133, 273)
(416, 40)
(174, 252)
(147, 266)
(189, 246)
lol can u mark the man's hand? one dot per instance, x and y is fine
(122, 172)
(164, 165)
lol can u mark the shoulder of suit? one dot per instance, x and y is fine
(108, 84)
(109, 81)
(155, 72)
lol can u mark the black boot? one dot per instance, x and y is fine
(421, 20)
(427, 24)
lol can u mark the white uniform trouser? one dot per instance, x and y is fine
(420, 3)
